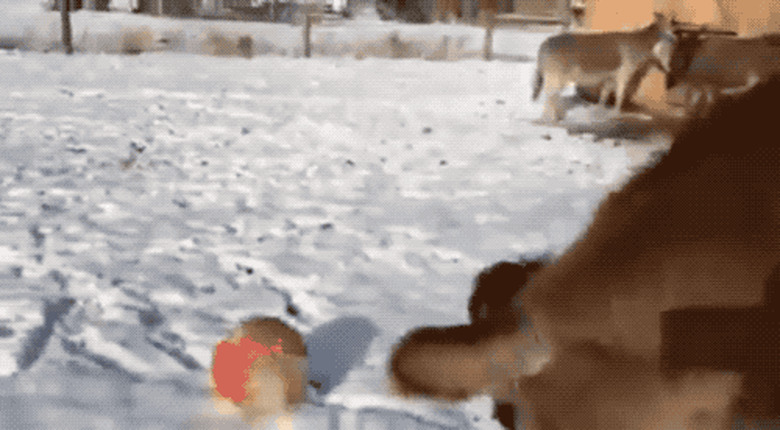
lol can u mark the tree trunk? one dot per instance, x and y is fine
(66, 31)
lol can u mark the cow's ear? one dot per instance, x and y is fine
(662, 21)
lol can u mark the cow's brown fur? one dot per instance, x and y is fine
(711, 67)
(700, 228)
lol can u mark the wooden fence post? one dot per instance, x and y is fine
(67, 39)
(490, 22)
(307, 34)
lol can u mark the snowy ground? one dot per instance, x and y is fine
(148, 203)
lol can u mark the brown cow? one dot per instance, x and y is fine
(710, 67)
(700, 228)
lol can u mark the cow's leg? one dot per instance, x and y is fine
(553, 86)
(751, 80)
(553, 111)
(621, 84)
(704, 101)
(710, 96)
(606, 88)
(692, 96)
(696, 99)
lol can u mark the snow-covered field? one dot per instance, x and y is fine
(148, 203)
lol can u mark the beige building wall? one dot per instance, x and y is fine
(706, 12)
(746, 17)
(609, 15)
(751, 17)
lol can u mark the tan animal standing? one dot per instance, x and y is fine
(611, 61)
(699, 229)
(260, 372)
(711, 67)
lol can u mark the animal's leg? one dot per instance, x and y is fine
(549, 108)
(692, 96)
(751, 80)
(622, 80)
(606, 88)
(560, 112)
(691, 99)
(710, 96)
(701, 101)
(620, 94)
(552, 89)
